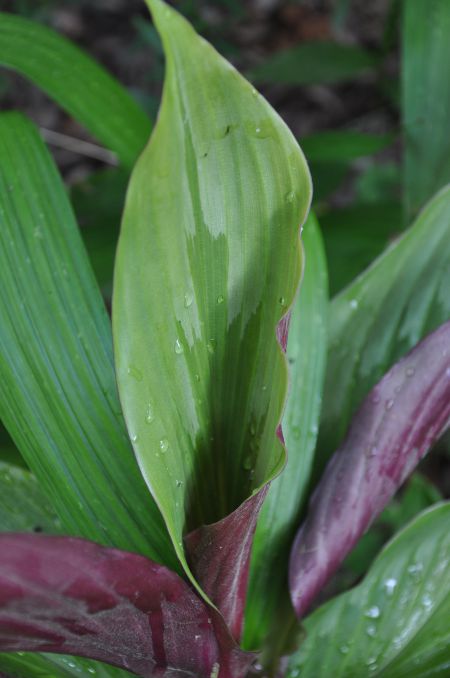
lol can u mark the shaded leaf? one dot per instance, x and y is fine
(425, 101)
(71, 596)
(58, 398)
(396, 622)
(279, 517)
(75, 81)
(312, 63)
(199, 293)
(342, 145)
(23, 506)
(382, 314)
(394, 428)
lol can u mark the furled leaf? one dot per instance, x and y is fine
(394, 428)
(425, 100)
(71, 596)
(281, 511)
(23, 506)
(208, 263)
(34, 665)
(75, 81)
(395, 623)
(312, 63)
(382, 314)
(342, 145)
(58, 398)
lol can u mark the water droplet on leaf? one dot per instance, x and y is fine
(163, 444)
(178, 347)
(188, 299)
(134, 372)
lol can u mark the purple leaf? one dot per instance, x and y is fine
(70, 596)
(394, 428)
(220, 557)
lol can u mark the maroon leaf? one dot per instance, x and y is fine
(220, 557)
(71, 596)
(394, 428)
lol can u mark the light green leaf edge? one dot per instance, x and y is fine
(399, 299)
(395, 623)
(280, 514)
(58, 398)
(76, 82)
(202, 387)
(425, 101)
(36, 665)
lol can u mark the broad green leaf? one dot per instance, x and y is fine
(279, 517)
(312, 63)
(354, 236)
(208, 263)
(23, 506)
(402, 297)
(76, 82)
(58, 398)
(425, 100)
(394, 624)
(34, 665)
(343, 145)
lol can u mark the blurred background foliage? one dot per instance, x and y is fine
(363, 86)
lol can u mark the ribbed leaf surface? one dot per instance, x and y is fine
(58, 398)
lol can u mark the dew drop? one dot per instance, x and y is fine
(220, 299)
(282, 301)
(215, 670)
(410, 372)
(134, 438)
(163, 444)
(344, 649)
(149, 415)
(264, 387)
(179, 483)
(247, 463)
(373, 612)
(178, 347)
(254, 92)
(91, 670)
(390, 586)
(197, 377)
(188, 299)
(290, 197)
(353, 304)
(371, 630)
(211, 345)
(415, 571)
(389, 405)
(427, 601)
(134, 372)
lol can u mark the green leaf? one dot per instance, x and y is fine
(343, 145)
(279, 517)
(208, 263)
(76, 82)
(396, 622)
(354, 236)
(426, 100)
(23, 506)
(34, 665)
(58, 398)
(402, 297)
(312, 63)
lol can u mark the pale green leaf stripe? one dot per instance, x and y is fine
(75, 81)
(58, 398)
(425, 100)
(395, 623)
(402, 297)
(279, 517)
(208, 262)
(23, 506)
(34, 665)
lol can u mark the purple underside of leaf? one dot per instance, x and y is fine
(394, 428)
(219, 555)
(71, 596)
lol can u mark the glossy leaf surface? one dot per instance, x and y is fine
(58, 398)
(208, 263)
(314, 63)
(72, 596)
(382, 314)
(398, 422)
(279, 517)
(34, 665)
(395, 623)
(75, 81)
(23, 506)
(425, 101)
